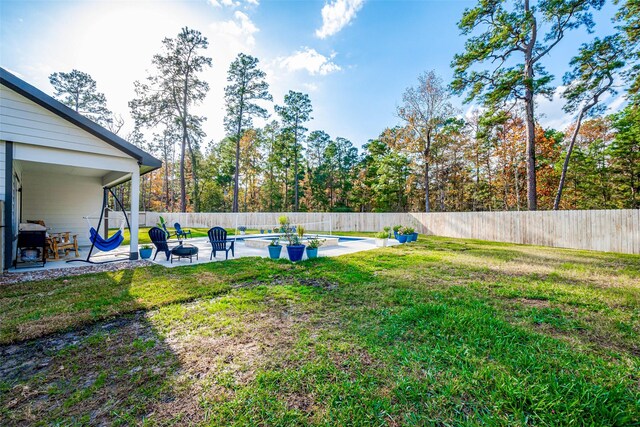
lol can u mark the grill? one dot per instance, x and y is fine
(32, 246)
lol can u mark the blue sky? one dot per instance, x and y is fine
(353, 57)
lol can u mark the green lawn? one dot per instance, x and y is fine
(438, 332)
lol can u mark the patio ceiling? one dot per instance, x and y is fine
(61, 169)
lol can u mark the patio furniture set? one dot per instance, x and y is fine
(36, 244)
(161, 238)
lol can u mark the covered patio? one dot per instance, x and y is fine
(56, 165)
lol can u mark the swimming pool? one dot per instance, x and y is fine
(273, 237)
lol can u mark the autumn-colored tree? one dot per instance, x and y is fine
(502, 61)
(425, 109)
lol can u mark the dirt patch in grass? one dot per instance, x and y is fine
(534, 302)
(318, 282)
(215, 366)
(37, 328)
(83, 375)
(123, 365)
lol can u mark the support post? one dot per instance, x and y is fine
(135, 217)
(9, 232)
(105, 232)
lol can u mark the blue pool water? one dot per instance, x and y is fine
(271, 237)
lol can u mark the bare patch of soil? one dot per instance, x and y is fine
(85, 374)
(534, 302)
(318, 282)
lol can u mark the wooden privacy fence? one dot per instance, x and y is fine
(600, 230)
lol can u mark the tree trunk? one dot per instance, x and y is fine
(427, 207)
(532, 199)
(183, 182)
(166, 176)
(185, 135)
(194, 175)
(236, 179)
(426, 187)
(295, 165)
(565, 165)
(517, 178)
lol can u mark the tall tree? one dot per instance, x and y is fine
(169, 94)
(513, 43)
(247, 86)
(78, 91)
(629, 18)
(591, 77)
(294, 113)
(425, 109)
(625, 156)
(273, 160)
(317, 144)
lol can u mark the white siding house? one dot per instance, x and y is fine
(55, 164)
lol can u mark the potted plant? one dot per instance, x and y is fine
(401, 236)
(145, 251)
(415, 236)
(409, 233)
(295, 248)
(284, 224)
(275, 248)
(396, 228)
(387, 230)
(312, 247)
(276, 230)
(242, 229)
(162, 224)
(261, 230)
(381, 239)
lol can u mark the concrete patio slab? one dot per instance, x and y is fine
(242, 249)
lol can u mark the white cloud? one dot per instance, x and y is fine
(336, 15)
(311, 87)
(310, 60)
(240, 27)
(233, 3)
(551, 114)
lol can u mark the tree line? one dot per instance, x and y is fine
(495, 157)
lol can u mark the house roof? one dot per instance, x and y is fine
(146, 161)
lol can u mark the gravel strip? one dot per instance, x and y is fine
(55, 273)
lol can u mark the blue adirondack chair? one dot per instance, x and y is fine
(219, 242)
(159, 239)
(180, 232)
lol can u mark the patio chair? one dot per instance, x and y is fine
(167, 232)
(159, 239)
(219, 242)
(180, 232)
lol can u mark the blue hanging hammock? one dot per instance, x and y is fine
(105, 245)
(99, 242)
